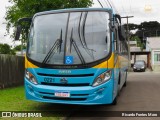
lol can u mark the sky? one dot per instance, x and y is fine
(142, 10)
(3, 38)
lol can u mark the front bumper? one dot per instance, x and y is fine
(138, 69)
(86, 95)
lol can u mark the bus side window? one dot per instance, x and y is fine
(116, 40)
(120, 47)
(124, 47)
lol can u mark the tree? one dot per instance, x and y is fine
(143, 30)
(131, 26)
(5, 49)
(139, 43)
(27, 8)
(18, 48)
(152, 25)
(148, 29)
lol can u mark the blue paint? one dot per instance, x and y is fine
(92, 97)
(36, 92)
(87, 79)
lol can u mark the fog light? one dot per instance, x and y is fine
(100, 90)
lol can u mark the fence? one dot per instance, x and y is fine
(11, 70)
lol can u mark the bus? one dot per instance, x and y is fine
(75, 56)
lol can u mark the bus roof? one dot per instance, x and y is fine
(72, 10)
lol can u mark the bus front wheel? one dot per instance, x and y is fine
(114, 101)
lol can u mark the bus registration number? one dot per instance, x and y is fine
(62, 94)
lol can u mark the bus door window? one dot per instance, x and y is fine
(116, 41)
(116, 47)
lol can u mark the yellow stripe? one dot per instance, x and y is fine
(29, 64)
(121, 62)
(104, 64)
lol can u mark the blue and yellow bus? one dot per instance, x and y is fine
(76, 56)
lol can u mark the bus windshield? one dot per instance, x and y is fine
(81, 37)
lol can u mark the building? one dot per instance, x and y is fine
(153, 45)
(133, 46)
(138, 54)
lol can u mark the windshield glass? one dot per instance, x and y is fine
(139, 63)
(69, 38)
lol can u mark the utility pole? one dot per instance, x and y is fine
(129, 56)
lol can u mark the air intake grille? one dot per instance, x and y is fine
(67, 99)
(59, 75)
(65, 85)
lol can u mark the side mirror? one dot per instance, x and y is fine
(18, 32)
(121, 33)
(19, 27)
(118, 17)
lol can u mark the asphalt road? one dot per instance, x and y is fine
(141, 94)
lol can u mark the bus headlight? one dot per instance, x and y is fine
(30, 77)
(102, 78)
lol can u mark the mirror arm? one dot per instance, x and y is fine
(26, 19)
(118, 17)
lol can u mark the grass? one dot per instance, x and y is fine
(13, 99)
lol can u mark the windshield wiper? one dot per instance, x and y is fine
(83, 29)
(79, 29)
(72, 42)
(60, 42)
(84, 44)
(56, 45)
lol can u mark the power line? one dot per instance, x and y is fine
(106, 3)
(109, 3)
(100, 3)
(130, 1)
(114, 6)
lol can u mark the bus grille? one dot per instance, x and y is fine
(56, 98)
(70, 75)
(65, 85)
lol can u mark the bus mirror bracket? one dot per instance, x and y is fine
(112, 27)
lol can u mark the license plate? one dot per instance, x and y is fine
(138, 69)
(62, 94)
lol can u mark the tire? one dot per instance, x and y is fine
(118, 90)
(114, 101)
(118, 93)
(125, 83)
